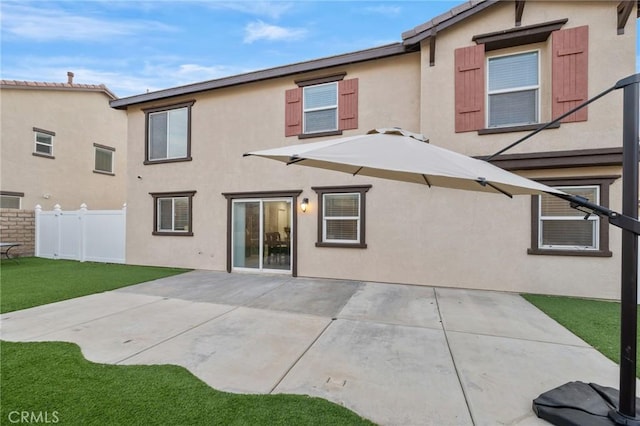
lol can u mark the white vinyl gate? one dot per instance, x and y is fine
(84, 235)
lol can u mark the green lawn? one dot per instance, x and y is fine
(55, 378)
(36, 281)
(594, 321)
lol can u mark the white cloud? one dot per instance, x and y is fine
(384, 10)
(40, 24)
(270, 9)
(259, 30)
(124, 77)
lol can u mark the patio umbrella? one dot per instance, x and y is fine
(404, 156)
(397, 154)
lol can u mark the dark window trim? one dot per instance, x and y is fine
(109, 148)
(509, 129)
(39, 154)
(169, 107)
(560, 159)
(320, 80)
(12, 193)
(319, 134)
(518, 36)
(42, 154)
(362, 190)
(106, 148)
(604, 182)
(294, 194)
(46, 132)
(174, 194)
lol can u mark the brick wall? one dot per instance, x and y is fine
(18, 226)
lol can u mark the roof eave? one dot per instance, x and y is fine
(24, 85)
(270, 73)
(445, 20)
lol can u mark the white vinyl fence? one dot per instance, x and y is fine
(84, 235)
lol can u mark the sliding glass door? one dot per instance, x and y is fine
(261, 234)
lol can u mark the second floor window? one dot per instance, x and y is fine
(513, 86)
(169, 133)
(320, 108)
(103, 159)
(43, 142)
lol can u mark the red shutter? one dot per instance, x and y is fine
(570, 66)
(348, 104)
(293, 112)
(469, 81)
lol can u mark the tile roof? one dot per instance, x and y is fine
(9, 84)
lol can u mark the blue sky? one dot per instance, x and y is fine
(134, 46)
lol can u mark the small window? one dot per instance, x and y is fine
(513, 90)
(11, 200)
(168, 133)
(173, 213)
(565, 228)
(341, 216)
(558, 229)
(320, 108)
(103, 159)
(43, 142)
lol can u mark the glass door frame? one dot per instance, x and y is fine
(264, 197)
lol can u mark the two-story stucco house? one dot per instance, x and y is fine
(61, 144)
(472, 80)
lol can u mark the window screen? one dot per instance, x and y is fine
(104, 160)
(44, 143)
(513, 85)
(341, 217)
(9, 202)
(321, 108)
(562, 227)
(173, 214)
(168, 134)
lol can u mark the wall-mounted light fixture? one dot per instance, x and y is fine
(304, 204)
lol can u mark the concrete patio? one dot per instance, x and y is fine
(395, 354)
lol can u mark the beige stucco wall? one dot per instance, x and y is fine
(79, 119)
(230, 122)
(416, 235)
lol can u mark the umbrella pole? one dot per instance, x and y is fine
(576, 403)
(629, 285)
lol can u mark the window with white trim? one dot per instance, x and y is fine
(173, 213)
(103, 159)
(10, 200)
(320, 107)
(565, 228)
(43, 142)
(341, 216)
(513, 87)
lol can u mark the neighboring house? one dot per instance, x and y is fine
(61, 144)
(472, 80)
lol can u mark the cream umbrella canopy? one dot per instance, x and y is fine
(396, 154)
